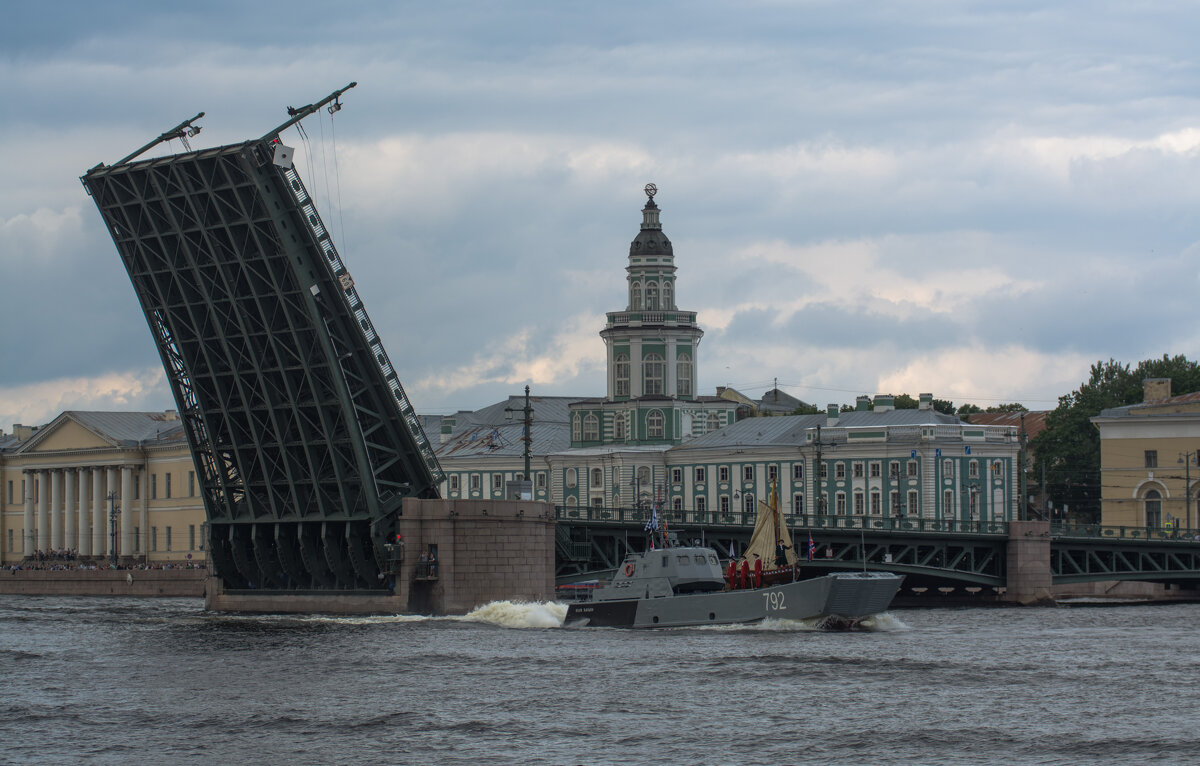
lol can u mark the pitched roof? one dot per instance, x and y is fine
(1035, 421)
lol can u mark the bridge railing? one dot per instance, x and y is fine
(1100, 531)
(795, 522)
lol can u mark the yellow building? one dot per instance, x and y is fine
(1148, 460)
(91, 481)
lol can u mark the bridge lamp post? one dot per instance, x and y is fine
(114, 515)
(527, 436)
(1186, 458)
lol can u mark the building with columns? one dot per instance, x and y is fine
(101, 482)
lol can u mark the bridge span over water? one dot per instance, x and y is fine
(930, 553)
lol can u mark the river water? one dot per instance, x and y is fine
(119, 681)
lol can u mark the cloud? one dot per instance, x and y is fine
(38, 403)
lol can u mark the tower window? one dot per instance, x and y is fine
(684, 375)
(652, 296)
(621, 375)
(654, 370)
(654, 425)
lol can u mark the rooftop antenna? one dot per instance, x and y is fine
(183, 131)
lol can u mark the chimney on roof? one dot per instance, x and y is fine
(885, 402)
(862, 403)
(1156, 389)
(447, 428)
(925, 402)
(831, 414)
(23, 432)
(171, 415)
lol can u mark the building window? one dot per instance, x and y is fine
(191, 484)
(635, 300)
(875, 470)
(654, 425)
(714, 422)
(453, 482)
(724, 504)
(653, 372)
(153, 486)
(676, 475)
(747, 473)
(572, 478)
(913, 505)
(643, 475)
(701, 504)
(576, 427)
(652, 296)
(1153, 505)
(824, 471)
(839, 470)
(683, 375)
(859, 504)
(841, 504)
(876, 504)
(191, 537)
(10, 536)
(858, 470)
(948, 503)
(137, 538)
(497, 482)
(748, 503)
(619, 427)
(699, 474)
(947, 467)
(997, 469)
(894, 470)
(667, 304)
(723, 473)
(797, 471)
(912, 468)
(1152, 458)
(772, 473)
(597, 478)
(621, 375)
(137, 486)
(798, 503)
(541, 479)
(167, 487)
(475, 482)
(677, 504)
(10, 496)
(972, 469)
(153, 538)
(591, 428)
(894, 501)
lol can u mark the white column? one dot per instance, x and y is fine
(70, 524)
(85, 514)
(43, 511)
(56, 509)
(27, 539)
(127, 510)
(97, 512)
(110, 485)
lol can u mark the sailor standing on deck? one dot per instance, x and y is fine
(757, 571)
(781, 553)
(732, 574)
(745, 572)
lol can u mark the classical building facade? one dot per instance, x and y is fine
(96, 483)
(1148, 460)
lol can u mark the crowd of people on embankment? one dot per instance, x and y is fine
(68, 560)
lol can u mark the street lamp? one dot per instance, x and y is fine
(527, 437)
(1186, 458)
(114, 514)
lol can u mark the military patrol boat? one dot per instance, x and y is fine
(685, 586)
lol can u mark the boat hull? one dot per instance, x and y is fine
(847, 597)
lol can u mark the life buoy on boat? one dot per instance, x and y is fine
(629, 570)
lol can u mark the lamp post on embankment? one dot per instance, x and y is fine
(114, 514)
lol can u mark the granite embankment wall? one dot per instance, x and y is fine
(103, 582)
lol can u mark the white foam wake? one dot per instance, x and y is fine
(520, 614)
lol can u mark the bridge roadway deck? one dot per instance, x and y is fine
(930, 552)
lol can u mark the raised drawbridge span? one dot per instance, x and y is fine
(303, 438)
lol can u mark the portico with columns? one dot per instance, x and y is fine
(63, 485)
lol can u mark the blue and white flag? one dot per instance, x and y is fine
(652, 524)
(731, 553)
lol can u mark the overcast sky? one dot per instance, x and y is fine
(976, 200)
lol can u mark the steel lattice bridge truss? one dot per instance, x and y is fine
(303, 438)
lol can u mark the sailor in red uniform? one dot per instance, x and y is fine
(745, 572)
(757, 571)
(732, 574)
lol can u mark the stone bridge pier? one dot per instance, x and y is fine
(1029, 575)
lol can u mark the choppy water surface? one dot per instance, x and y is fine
(160, 681)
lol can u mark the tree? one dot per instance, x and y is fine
(1011, 407)
(943, 406)
(906, 402)
(968, 409)
(1069, 447)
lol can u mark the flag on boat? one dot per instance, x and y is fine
(812, 549)
(731, 553)
(652, 523)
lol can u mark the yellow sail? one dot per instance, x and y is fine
(769, 529)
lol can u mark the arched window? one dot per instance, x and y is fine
(652, 296)
(597, 477)
(683, 374)
(591, 428)
(654, 425)
(1152, 501)
(668, 301)
(653, 372)
(643, 475)
(572, 478)
(576, 429)
(635, 296)
(621, 375)
(748, 503)
(619, 427)
(948, 504)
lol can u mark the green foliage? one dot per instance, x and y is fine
(968, 409)
(906, 402)
(806, 409)
(1070, 445)
(1011, 407)
(943, 406)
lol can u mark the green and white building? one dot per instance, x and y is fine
(653, 439)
